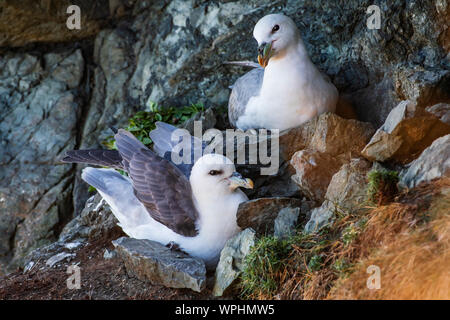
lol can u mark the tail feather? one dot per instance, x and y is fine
(104, 180)
(117, 191)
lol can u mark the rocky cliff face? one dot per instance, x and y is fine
(62, 89)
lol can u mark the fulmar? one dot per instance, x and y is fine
(288, 89)
(190, 206)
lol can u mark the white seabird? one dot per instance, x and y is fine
(288, 90)
(190, 206)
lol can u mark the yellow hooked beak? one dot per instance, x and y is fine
(236, 180)
(264, 54)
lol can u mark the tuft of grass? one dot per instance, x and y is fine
(143, 122)
(382, 186)
(273, 261)
(262, 265)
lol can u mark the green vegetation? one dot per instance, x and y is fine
(287, 268)
(342, 267)
(262, 265)
(269, 259)
(315, 263)
(382, 186)
(349, 234)
(143, 122)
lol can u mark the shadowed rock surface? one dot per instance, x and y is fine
(231, 261)
(260, 214)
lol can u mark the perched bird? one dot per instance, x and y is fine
(287, 90)
(191, 207)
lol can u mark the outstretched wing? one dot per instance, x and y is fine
(160, 186)
(244, 88)
(104, 158)
(165, 143)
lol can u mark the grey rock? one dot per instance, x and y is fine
(207, 118)
(434, 162)
(95, 221)
(37, 125)
(53, 253)
(286, 222)
(321, 217)
(231, 261)
(348, 187)
(150, 261)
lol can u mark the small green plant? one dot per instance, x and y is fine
(349, 234)
(143, 122)
(382, 186)
(315, 263)
(342, 267)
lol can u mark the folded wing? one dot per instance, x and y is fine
(244, 88)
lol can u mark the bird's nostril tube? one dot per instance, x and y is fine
(261, 49)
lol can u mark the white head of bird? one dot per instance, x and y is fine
(214, 174)
(276, 34)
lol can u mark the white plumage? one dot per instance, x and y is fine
(290, 90)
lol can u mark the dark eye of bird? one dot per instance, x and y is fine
(275, 28)
(215, 172)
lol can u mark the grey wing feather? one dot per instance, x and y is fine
(165, 146)
(247, 86)
(104, 158)
(171, 205)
